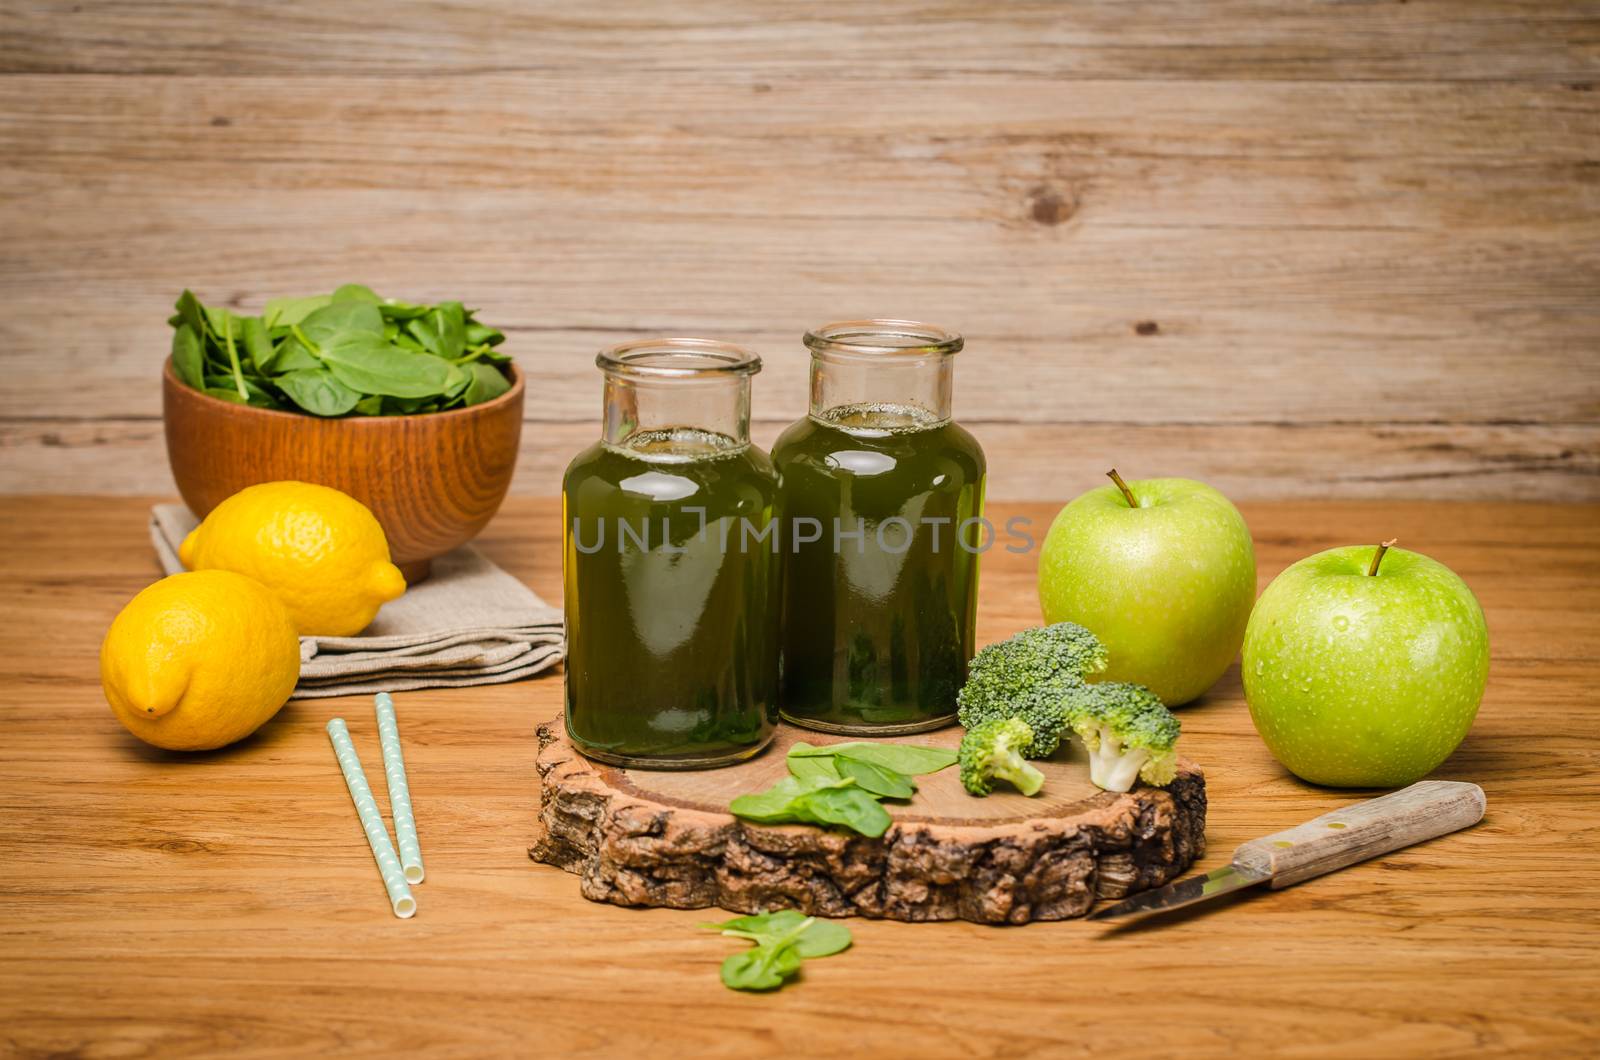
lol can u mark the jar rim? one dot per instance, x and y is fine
(884, 338)
(677, 358)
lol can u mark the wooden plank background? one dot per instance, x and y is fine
(1299, 250)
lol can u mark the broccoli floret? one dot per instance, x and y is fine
(993, 750)
(1031, 676)
(1129, 733)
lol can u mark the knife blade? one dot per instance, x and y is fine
(1180, 893)
(1362, 830)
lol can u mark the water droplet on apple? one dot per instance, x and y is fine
(1341, 623)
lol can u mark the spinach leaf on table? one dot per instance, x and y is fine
(781, 941)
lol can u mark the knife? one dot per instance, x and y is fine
(1362, 830)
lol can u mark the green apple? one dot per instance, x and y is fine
(1364, 666)
(1162, 571)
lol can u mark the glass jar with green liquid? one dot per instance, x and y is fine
(669, 564)
(883, 504)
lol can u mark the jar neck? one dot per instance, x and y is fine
(895, 371)
(677, 398)
(648, 415)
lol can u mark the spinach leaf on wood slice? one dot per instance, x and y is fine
(816, 766)
(888, 783)
(852, 807)
(815, 800)
(318, 392)
(773, 804)
(902, 758)
(366, 363)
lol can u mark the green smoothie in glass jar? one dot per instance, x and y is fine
(669, 564)
(882, 494)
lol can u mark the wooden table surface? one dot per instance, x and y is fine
(157, 905)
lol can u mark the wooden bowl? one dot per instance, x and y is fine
(433, 480)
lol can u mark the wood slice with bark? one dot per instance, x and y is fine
(652, 838)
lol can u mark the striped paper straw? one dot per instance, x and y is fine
(394, 880)
(394, 768)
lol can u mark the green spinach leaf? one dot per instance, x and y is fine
(340, 320)
(886, 783)
(487, 383)
(364, 362)
(781, 940)
(257, 343)
(815, 800)
(814, 766)
(355, 292)
(281, 312)
(318, 392)
(349, 352)
(188, 363)
(902, 758)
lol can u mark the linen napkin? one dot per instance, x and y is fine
(468, 623)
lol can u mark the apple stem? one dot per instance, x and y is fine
(1123, 486)
(1377, 557)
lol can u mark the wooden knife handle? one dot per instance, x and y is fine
(1364, 830)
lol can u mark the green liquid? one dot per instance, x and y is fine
(671, 643)
(876, 639)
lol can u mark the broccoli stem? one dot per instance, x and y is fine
(1112, 768)
(1022, 776)
(1377, 557)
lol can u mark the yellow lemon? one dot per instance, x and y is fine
(320, 550)
(199, 660)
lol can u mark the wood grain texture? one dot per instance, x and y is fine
(1302, 230)
(432, 481)
(666, 840)
(1524, 462)
(154, 905)
(1134, 39)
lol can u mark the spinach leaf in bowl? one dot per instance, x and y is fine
(351, 352)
